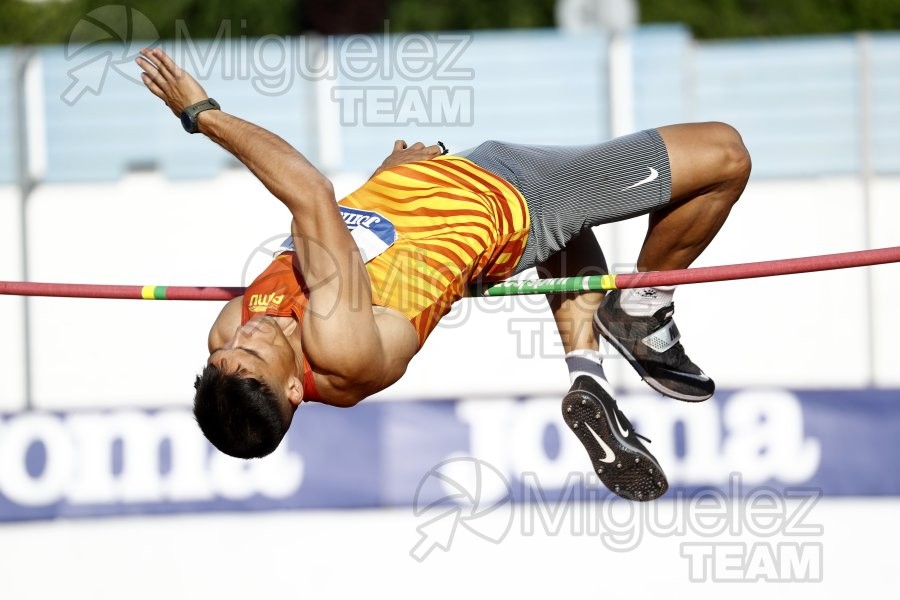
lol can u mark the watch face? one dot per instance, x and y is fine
(186, 122)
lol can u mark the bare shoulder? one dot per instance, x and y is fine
(398, 344)
(225, 324)
(396, 328)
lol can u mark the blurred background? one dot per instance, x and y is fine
(460, 479)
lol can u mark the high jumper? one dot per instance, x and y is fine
(340, 312)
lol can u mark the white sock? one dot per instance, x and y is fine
(644, 302)
(590, 363)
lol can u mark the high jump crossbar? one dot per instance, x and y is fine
(790, 266)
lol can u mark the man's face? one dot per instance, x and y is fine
(259, 349)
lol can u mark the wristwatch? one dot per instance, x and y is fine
(189, 114)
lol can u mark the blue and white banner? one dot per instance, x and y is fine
(91, 463)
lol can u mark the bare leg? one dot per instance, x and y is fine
(574, 312)
(621, 460)
(710, 167)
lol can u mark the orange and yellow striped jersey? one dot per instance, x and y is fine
(432, 228)
(455, 223)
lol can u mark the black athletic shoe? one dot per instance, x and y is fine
(651, 345)
(618, 457)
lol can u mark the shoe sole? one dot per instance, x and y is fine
(631, 473)
(649, 379)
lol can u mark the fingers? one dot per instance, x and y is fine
(431, 151)
(167, 65)
(151, 85)
(150, 68)
(151, 75)
(144, 63)
(161, 67)
(415, 152)
(149, 63)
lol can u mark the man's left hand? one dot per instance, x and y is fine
(172, 84)
(402, 154)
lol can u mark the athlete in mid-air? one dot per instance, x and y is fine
(341, 311)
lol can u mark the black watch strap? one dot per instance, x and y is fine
(189, 114)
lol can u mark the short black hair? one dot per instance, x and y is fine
(239, 415)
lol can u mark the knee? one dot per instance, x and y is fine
(704, 158)
(732, 155)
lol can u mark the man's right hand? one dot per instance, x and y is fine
(169, 82)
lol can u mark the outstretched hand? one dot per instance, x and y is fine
(402, 154)
(169, 82)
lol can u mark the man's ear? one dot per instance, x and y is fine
(294, 391)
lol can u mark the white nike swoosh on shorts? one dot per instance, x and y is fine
(653, 175)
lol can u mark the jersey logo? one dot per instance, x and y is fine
(372, 232)
(372, 221)
(262, 302)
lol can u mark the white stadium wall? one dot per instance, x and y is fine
(12, 380)
(149, 230)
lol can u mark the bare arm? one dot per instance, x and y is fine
(340, 335)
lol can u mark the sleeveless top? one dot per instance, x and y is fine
(426, 230)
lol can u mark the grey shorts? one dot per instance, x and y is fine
(571, 188)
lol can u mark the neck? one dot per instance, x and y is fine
(291, 330)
